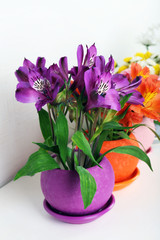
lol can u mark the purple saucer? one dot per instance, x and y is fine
(79, 219)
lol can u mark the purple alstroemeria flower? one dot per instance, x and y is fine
(99, 90)
(84, 63)
(100, 63)
(89, 57)
(124, 87)
(34, 86)
(60, 72)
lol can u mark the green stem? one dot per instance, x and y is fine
(104, 114)
(66, 110)
(50, 119)
(72, 160)
(76, 125)
(87, 123)
(95, 121)
(147, 47)
(85, 161)
(95, 144)
(53, 114)
(79, 121)
(64, 165)
(79, 153)
(82, 120)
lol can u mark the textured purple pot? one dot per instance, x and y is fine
(61, 189)
(144, 134)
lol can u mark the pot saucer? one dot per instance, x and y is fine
(123, 184)
(78, 219)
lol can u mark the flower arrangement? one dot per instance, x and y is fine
(149, 69)
(147, 59)
(89, 95)
(149, 88)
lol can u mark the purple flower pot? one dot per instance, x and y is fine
(144, 134)
(61, 189)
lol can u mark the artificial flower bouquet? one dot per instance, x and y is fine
(92, 97)
(146, 65)
(147, 59)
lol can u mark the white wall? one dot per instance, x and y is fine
(53, 29)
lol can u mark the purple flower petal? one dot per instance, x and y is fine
(28, 64)
(54, 72)
(136, 98)
(63, 63)
(100, 63)
(98, 90)
(39, 104)
(55, 90)
(90, 56)
(133, 85)
(73, 72)
(22, 74)
(112, 99)
(110, 65)
(33, 77)
(40, 62)
(93, 50)
(23, 85)
(80, 56)
(120, 81)
(28, 95)
(90, 77)
(78, 78)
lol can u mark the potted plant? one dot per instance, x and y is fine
(125, 168)
(76, 179)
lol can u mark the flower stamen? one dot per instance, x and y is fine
(41, 84)
(91, 61)
(148, 97)
(103, 88)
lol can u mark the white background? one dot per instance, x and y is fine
(53, 29)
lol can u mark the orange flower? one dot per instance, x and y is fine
(131, 117)
(137, 70)
(150, 90)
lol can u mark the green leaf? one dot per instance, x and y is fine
(44, 123)
(110, 115)
(79, 139)
(122, 134)
(49, 142)
(116, 126)
(125, 99)
(38, 162)
(61, 133)
(121, 116)
(130, 150)
(76, 163)
(157, 122)
(87, 184)
(69, 155)
(101, 139)
(53, 149)
(89, 117)
(155, 133)
(96, 134)
(48, 145)
(112, 125)
(85, 133)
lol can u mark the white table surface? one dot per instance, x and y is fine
(136, 214)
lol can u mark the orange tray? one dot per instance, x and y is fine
(121, 185)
